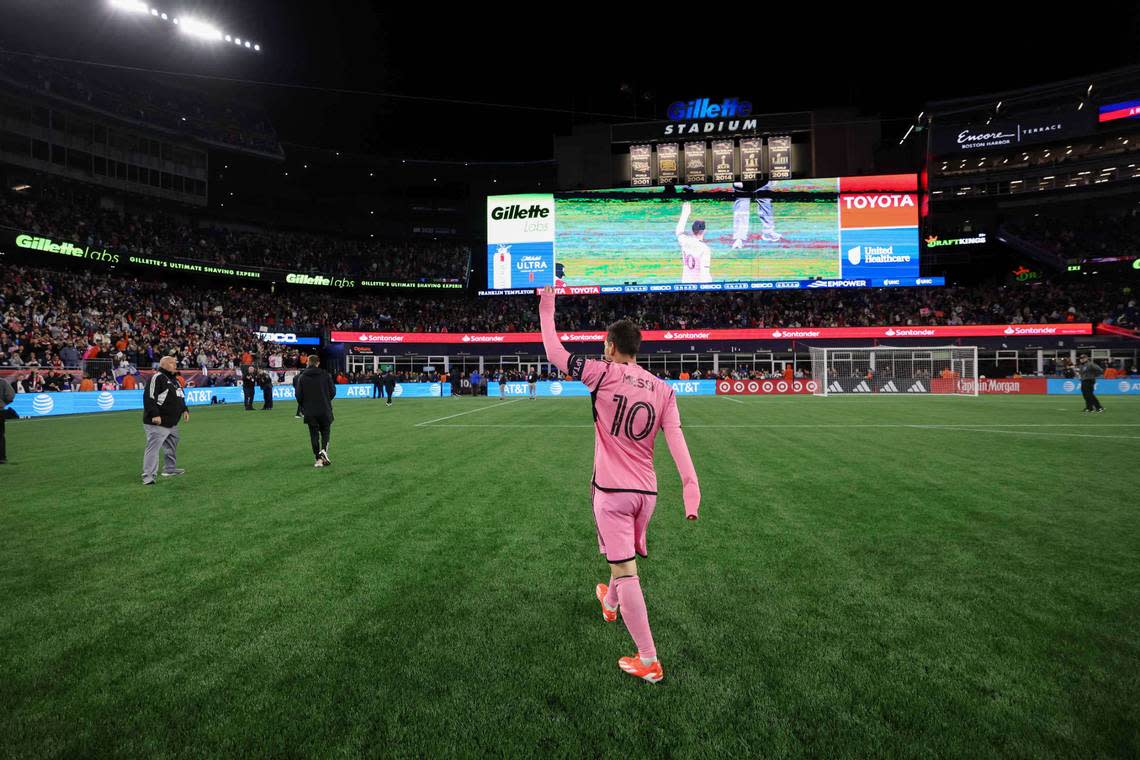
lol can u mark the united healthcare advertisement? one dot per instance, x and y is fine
(787, 234)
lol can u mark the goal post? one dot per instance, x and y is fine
(940, 370)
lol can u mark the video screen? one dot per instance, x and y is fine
(804, 233)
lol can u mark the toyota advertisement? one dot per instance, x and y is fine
(842, 232)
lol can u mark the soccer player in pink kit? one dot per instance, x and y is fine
(630, 406)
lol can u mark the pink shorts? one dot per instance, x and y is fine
(621, 519)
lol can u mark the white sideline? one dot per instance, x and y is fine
(470, 411)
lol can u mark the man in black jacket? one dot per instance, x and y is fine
(315, 392)
(164, 404)
(1089, 371)
(248, 383)
(389, 384)
(7, 395)
(266, 383)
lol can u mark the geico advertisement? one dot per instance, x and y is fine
(520, 241)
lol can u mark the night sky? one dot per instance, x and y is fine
(881, 58)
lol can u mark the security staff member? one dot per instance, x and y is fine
(389, 384)
(163, 405)
(377, 385)
(248, 383)
(266, 384)
(296, 380)
(1089, 371)
(7, 395)
(315, 392)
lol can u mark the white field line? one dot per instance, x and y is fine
(469, 411)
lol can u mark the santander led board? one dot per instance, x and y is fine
(845, 232)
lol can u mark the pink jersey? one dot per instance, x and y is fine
(630, 407)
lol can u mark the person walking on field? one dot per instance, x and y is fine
(315, 392)
(164, 405)
(1089, 372)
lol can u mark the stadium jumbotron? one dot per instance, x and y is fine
(614, 408)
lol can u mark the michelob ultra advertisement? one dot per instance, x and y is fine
(520, 241)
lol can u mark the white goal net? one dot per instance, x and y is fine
(949, 370)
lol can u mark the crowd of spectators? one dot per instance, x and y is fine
(78, 216)
(52, 319)
(1109, 233)
(145, 99)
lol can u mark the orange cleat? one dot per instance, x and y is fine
(607, 614)
(633, 665)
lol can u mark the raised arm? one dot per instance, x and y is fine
(686, 209)
(679, 450)
(555, 351)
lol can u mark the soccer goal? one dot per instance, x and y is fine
(949, 370)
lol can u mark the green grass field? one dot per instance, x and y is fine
(870, 577)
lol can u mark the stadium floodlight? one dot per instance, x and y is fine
(229, 38)
(258, 49)
(165, 17)
(247, 43)
(237, 40)
(154, 12)
(201, 29)
(134, 6)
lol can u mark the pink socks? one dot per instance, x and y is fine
(633, 613)
(611, 597)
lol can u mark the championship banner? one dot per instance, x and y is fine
(722, 157)
(668, 163)
(788, 333)
(640, 169)
(695, 169)
(765, 387)
(751, 151)
(780, 157)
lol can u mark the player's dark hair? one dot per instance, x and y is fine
(625, 337)
(698, 226)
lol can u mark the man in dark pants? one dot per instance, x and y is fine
(315, 392)
(377, 386)
(266, 384)
(296, 381)
(6, 397)
(1089, 371)
(389, 385)
(164, 404)
(248, 383)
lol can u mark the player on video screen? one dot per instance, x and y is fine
(696, 258)
(741, 220)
